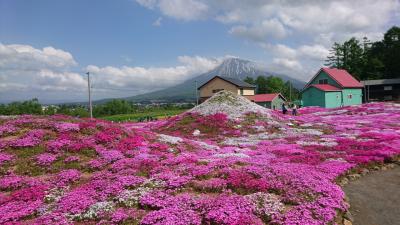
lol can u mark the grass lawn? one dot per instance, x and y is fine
(159, 114)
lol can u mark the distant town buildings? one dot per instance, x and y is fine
(331, 88)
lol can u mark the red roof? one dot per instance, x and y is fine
(342, 77)
(325, 87)
(265, 97)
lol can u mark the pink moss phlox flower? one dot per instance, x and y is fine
(63, 127)
(67, 177)
(46, 159)
(5, 157)
(11, 181)
(71, 159)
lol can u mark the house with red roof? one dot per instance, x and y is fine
(271, 101)
(331, 88)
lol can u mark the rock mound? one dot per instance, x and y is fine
(233, 105)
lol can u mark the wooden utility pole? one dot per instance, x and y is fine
(90, 97)
(197, 94)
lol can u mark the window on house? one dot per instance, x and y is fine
(216, 90)
(323, 81)
(241, 91)
(387, 88)
(350, 96)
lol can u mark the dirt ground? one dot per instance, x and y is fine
(375, 198)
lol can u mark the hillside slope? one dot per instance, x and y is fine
(232, 67)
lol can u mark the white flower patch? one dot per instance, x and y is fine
(335, 112)
(258, 128)
(312, 132)
(252, 139)
(316, 143)
(206, 146)
(336, 160)
(265, 204)
(169, 139)
(55, 194)
(306, 125)
(226, 155)
(94, 210)
(154, 183)
(131, 198)
(196, 132)
(233, 105)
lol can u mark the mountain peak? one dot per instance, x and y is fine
(236, 67)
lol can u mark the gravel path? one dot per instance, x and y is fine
(375, 198)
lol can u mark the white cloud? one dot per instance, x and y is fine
(317, 52)
(289, 64)
(178, 9)
(28, 72)
(307, 17)
(157, 22)
(27, 57)
(309, 26)
(60, 81)
(141, 78)
(260, 32)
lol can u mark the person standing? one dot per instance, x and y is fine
(294, 110)
(284, 109)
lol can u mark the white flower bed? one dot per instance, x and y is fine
(226, 155)
(233, 105)
(169, 139)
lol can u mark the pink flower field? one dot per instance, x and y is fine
(195, 168)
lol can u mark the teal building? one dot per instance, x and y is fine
(331, 88)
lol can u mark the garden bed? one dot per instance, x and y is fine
(256, 168)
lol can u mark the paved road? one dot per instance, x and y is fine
(375, 198)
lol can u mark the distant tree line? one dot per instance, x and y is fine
(272, 84)
(113, 107)
(368, 60)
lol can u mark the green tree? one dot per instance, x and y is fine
(249, 80)
(50, 110)
(391, 54)
(116, 106)
(368, 60)
(261, 83)
(275, 85)
(335, 57)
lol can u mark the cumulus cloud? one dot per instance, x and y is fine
(27, 72)
(307, 17)
(260, 32)
(316, 51)
(27, 57)
(310, 26)
(178, 9)
(289, 64)
(152, 78)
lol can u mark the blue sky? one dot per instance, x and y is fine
(115, 33)
(134, 47)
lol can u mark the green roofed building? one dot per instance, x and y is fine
(331, 88)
